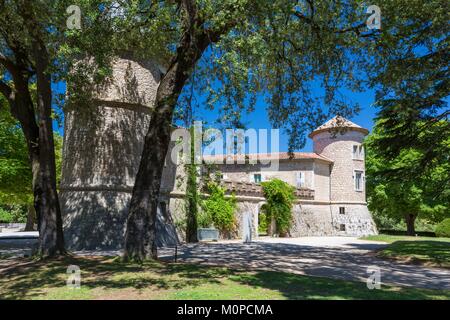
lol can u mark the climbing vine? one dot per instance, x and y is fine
(192, 196)
(280, 197)
(218, 209)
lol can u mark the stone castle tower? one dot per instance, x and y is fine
(341, 141)
(102, 151)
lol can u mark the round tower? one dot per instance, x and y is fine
(340, 140)
(101, 154)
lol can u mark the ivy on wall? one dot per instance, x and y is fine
(218, 210)
(280, 197)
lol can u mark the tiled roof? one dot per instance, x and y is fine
(268, 156)
(338, 123)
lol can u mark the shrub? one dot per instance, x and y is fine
(280, 197)
(204, 219)
(443, 228)
(262, 222)
(5, 216)
(13, 213)
(218, 209)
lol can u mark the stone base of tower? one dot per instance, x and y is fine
(355, 221)
(328, 220)
(96, 220)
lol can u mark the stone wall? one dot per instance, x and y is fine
(287, 171)
(356, 219)
(101, 154)
(321, 181)
(96, 220)
(311, 220)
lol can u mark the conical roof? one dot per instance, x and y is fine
(336, 124)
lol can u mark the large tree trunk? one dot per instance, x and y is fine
(51, 241)
(410, 220)
(31, 218)
(140, 235)
(22, 109)
(50, 223)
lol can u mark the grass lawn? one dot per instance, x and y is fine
(432, 251)
(108, 278)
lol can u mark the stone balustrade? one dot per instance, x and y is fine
(254, 189)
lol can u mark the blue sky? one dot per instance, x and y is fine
(259, 120)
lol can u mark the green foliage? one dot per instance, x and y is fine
(263, 224)
(421, 191)
(280, 197)
(13, 213)
(410, 73)
(204, 219)
(219, 209)
(443, 228)
(15, 169)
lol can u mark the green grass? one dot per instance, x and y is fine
(390, 239)
(432, 251)
(108, 278)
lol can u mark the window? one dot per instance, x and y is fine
(355, 152)
(358, 152)
(300, 179)
(257, 178)
(358, 177)
(341, 210)
(342, 227)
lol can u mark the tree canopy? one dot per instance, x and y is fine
(424, 193)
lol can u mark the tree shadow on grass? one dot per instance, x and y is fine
(433, 251)
(25, 278)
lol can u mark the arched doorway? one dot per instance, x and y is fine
(261, 221)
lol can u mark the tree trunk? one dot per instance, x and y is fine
(140, 235)
(51, 238)
(410, 228)
(31, 218)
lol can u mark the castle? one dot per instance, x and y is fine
(101, 155)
